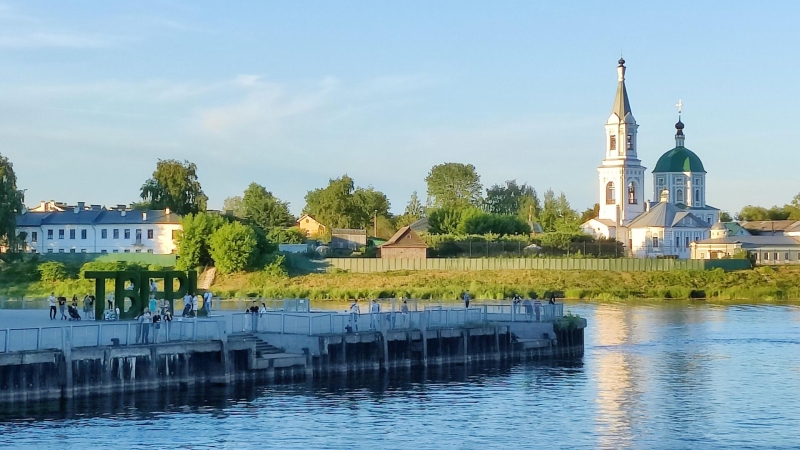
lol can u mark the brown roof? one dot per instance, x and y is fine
(768, 226)
(405, 237)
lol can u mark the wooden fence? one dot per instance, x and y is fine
(369, 265)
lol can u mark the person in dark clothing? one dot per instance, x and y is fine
(62, 307)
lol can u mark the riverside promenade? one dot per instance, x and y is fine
(43, 358)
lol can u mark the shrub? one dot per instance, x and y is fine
(52, 271)
(233, 247)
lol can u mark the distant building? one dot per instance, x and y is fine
(764, 250)
(310, 226)
(767, 242)
(406, 243)
(349, 238)
(98, 230)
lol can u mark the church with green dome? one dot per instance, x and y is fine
(677, 215)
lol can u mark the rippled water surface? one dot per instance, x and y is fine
(674, 375)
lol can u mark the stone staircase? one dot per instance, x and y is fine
(262, 347)
(207, 278)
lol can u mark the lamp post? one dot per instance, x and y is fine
(375, 224)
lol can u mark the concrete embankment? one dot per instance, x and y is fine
(273, 357)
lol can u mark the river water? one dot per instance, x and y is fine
(658, 375)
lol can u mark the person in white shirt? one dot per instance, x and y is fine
(354, 312)
(375, 316)
(153, 286)
(52, 302)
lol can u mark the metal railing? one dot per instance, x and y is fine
(113, 333)
(328, 322)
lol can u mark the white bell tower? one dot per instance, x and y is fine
(621, 174)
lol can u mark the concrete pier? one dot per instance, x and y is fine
(276, 356)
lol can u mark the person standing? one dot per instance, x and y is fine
(147, 323)
(376, 314)
(537, 309)
(86, 306)
(187, 305)
(139, 322)
(62, 307)
(404, 311)
(153, 304)
(52, 302)
(354, 312)
(466, 299)
(208, 297)
(153, 286)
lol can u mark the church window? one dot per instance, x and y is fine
(629, 145)
(697, 195)
(775, 256)
(786, 256)
(655, 241)
(677, 242)
(632, 193)
(610, 195)
(679, 196)
(612, 143)
(660, 181)
(687, 241)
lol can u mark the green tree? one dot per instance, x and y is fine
(174, 185)
(512, 199)
(414, 207)
(11, 200)
(751, 212)
(193, 246)
(590, 213)
(265, 210)
(233, 247)
(286, 235)
(366, 202)
(453, 185)
(444, 220)
(557, 215)
(333, 204)
(234, 205)
(341, 205)
(725, 217)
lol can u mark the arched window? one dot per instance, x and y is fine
(697, 195)
(612, 143)
(610, 194)
(679, 196)
(632, 193)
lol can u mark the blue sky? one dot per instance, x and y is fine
(290, 94)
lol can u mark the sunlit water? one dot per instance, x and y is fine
(669, 375)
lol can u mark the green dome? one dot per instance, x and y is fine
(679, 159)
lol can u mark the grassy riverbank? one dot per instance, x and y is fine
(765, 284)
(762, 284)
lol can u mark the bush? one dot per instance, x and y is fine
(233, 247)
(52, 271)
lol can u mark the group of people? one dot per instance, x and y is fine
(375, 314)
(70, 311)
(152, 317)
(532, 309)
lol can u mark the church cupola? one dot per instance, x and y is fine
(679, 137)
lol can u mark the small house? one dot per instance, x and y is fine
(406, 243)
(349, 238)
(310, 226)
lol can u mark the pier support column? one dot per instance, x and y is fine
(424, 333)
(496, 344)
(385, 340)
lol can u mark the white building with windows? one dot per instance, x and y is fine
(98, 230)
(663, 228)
